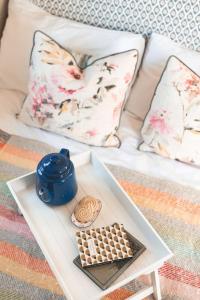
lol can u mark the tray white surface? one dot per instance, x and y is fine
(55, 233)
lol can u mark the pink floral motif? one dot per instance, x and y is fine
(127, 78)
(68, 92)
(92, 132)
(40, 97)
(158, 122)
(193, 85)
(75, 73)
(190, 82)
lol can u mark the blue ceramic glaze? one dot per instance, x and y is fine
(55, 178)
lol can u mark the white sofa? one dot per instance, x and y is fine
(129, 133)
(128, 154)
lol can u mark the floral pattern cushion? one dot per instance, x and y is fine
(172, 125)
(76, 95)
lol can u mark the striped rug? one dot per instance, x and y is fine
(172, 209)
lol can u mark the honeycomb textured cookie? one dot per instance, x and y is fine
(86, 211)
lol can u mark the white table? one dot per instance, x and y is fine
(55, 233)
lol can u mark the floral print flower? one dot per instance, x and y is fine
(91, 133)
(158, 121)
(192, 85)
(189, 84)
(62, 89)
(41, 97)
(75, 73)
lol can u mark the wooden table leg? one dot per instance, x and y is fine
(154, 289)
(156, 285)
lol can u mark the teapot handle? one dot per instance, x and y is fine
(65, 152)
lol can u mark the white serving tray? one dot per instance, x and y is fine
(55, 233)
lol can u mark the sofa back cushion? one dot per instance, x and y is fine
(178, 19)
(25, 18)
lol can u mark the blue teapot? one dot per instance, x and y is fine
(55, 178)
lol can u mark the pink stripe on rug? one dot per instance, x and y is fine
(179, 274)
(11, 215)
(18, 228)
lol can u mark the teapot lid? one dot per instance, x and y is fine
(55, 165)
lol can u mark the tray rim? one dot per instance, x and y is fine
(91, 156)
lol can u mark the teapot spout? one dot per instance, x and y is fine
(65, 152)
